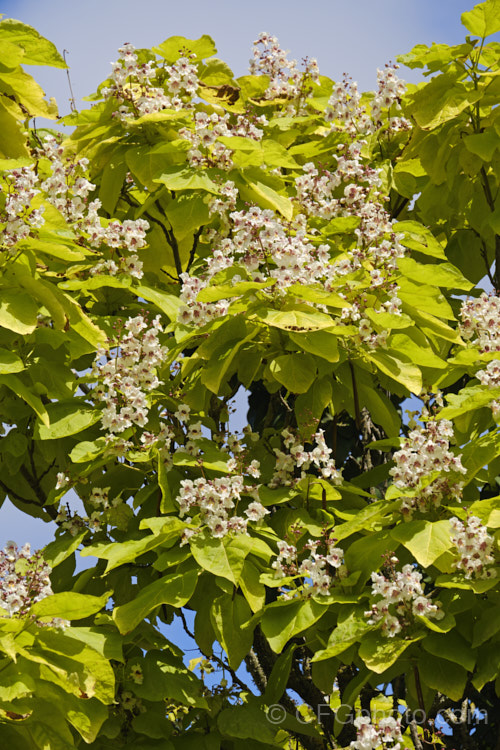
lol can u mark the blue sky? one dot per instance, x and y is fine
(354, 36)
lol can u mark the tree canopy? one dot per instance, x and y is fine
(335, 256)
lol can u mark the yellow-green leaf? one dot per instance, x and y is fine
(322, 343)
(176, 590)
(405, 373)
(441, 100)
(69, 605)
(282, 620)
(187, 178)
(483, 19)
(230, 620)
(221, 557)
(66, 418)
(35, 49)
(18, 311)
(443, 675)
(295, 371)
(442, 274)
(255, 190)
(296, 319)
(167, 303)
(178, 46)
(426, 540)
(379, 652)
(484, 144)
(10, 362)
(20, 389)
(343, 635)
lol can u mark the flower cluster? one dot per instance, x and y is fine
(193, 312)
(127, 374)
(129, 702)
(391, 90)
(99, 497)
(401, 599)
(132, 84)
(67, 189)
(136, 674)
(316, 568)
(474, 546)
(162, 439)
(365, 333)
(17, 216)
(97, 503)
(63, 182)
(24, 580)
(352, 190)
(318, 189)
(386, 733)
(182, 77)
(261, 239)
(129, 235)
(74, 523)
(298, 457)
(490, 377)
(479, 322)
(206, 150)
(216, 499)
(264, 249)
(422, 459)
(224, 202)
(285, 80)
(347, 112)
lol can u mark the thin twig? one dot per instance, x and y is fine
(414, 735)
(72, 102)
(196, 237)
(212, 656)
(357, 414)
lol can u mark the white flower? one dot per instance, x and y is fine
(62, 480)
(256, 511)
(182, 413)
(474, 547)
(399, 598)
(372, 737)
(194, 431)
(136, 674)
(127, 375)
(20, 587)
(10, 550)
(480, 321)
(423, 453)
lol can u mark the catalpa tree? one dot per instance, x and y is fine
(335, 256)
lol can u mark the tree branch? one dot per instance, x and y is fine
(263, 661)
(256, 671)
(414, 735)
(212, 656)
(491, 205)
(355, 396)
(196, 237)
(399, 207)
(169, 235)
